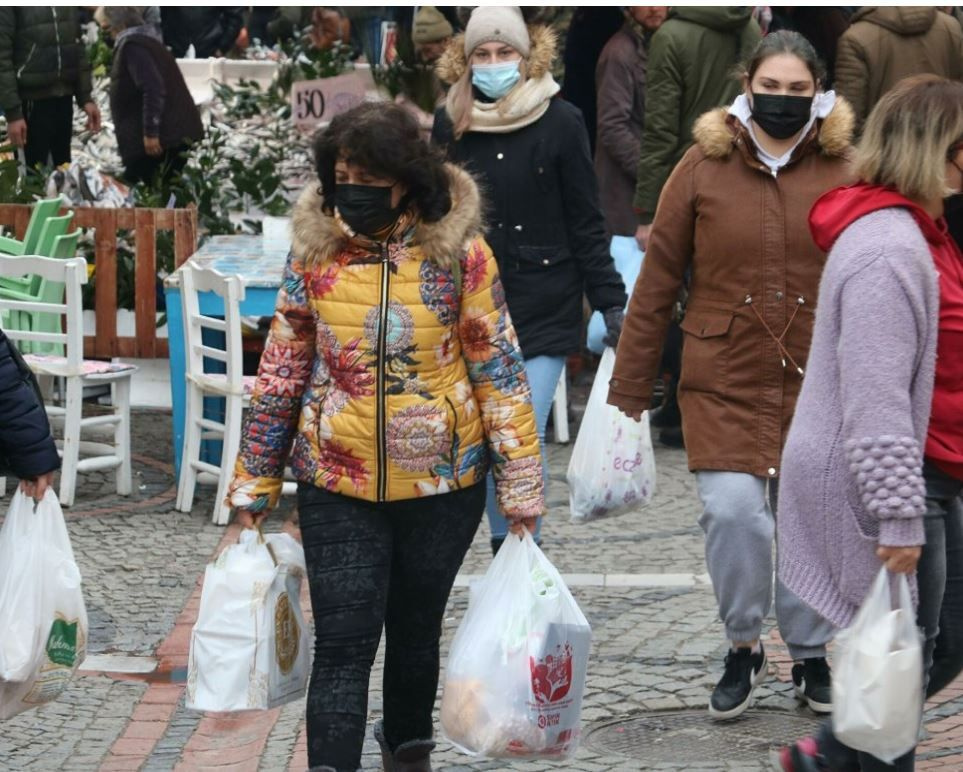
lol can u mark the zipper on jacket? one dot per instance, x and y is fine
(60, 64)
(382, 354)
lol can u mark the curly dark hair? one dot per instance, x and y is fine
(384, 139)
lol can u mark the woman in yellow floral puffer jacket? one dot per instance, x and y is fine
(393, 374)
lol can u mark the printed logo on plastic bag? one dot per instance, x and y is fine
(287, 634)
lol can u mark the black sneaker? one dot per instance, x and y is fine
(813, 684)
(733, 693)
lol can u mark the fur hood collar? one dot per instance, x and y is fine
(454, 62)
(318, 237)
(715, 132)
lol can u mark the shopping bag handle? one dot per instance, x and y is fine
(262, 540)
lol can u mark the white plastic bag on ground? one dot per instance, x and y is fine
(878, 675)
(516, 670)
(612, 469)
(250, 645)
(43, 620)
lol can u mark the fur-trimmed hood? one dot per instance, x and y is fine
(716, 131)
(317, 237)
(454, 62)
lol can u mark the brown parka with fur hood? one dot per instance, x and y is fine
(742, 234)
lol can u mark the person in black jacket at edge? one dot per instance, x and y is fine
(154, 115)
(27, 448)
(530, 152)
(211, 29)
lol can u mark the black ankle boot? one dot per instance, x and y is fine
(412, 756)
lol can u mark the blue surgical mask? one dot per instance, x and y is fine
(495, 80)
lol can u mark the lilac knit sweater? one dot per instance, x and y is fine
(851, 469)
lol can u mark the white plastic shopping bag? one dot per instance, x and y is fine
(43, 620)
(878, 675)
(612, 469)
(516, 670)
(249, 647)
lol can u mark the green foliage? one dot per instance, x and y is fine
(101, 57)
(302, 61)
(17, 188)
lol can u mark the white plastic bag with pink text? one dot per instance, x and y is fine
(612, 469)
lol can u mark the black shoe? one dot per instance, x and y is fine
(813, 683)
(733, 693)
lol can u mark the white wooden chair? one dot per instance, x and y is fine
(76, 372)
(233, 386)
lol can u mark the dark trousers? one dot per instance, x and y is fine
(373, 566)
(939, 614)
(49, 130)
(164, 166)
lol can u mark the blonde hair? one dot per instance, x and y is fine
(909, 134)
(461, 97)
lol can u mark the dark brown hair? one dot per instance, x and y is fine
(385, 140)
(785, 42)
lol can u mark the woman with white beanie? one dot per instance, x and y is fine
(530, 152)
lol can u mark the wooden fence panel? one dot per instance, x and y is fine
(145, 223)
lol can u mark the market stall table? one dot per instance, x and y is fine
(259, 263)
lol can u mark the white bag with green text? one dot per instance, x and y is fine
(43, 620)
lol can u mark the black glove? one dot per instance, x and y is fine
(614, 318)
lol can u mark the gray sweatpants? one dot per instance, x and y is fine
(739, 524)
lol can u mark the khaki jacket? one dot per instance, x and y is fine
(886, 44)
(742, 234)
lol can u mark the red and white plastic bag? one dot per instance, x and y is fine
(516, 670)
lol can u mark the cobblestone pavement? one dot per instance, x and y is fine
(657, 644)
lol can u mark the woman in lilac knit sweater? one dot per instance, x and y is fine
(869, 477)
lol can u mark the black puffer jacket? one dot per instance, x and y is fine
(41, 56)
(209, 28)
(26, 446)
(543, 220)
(149, 98)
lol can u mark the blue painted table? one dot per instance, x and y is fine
(259, 263)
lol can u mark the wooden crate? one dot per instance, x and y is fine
(145, 223)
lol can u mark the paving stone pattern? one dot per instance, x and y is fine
(654, 648)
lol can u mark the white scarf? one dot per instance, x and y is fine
(520, 107)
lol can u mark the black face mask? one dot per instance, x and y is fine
(781, 116)
(366, 209)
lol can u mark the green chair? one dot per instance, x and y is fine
(42, 211)
(53, 228)
(42, 291)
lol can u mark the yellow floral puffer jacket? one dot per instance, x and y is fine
(393, 367)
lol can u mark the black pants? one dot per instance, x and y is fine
(166, 165)
(939, 614)
(370, 566)
(49, 130)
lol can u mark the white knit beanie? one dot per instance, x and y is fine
(501, 23)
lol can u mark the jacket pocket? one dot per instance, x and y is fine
(705, 352)
(540, 259)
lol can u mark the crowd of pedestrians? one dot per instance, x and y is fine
(780, 180)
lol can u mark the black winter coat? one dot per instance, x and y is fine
(543, 223)
(26, 446)
(210, 28)
(149, 98)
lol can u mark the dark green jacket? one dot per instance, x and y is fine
(41, 56)
(692, 62)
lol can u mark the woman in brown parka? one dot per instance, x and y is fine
(734, 218)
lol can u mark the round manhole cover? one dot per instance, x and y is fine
(690, 736)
